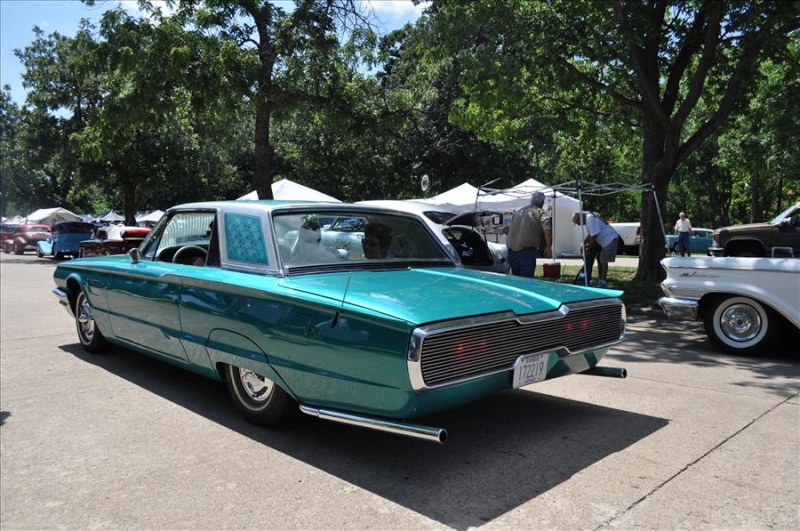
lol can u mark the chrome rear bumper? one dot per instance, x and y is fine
(679, 309)
(63, 299)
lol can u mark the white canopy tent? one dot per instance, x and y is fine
(150, 218)
(112, 217)
(462, 198)
(49, 216)
(290, 190)
(566, 236)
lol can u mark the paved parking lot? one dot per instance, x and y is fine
(692, 439)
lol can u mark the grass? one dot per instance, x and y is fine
(635, 293)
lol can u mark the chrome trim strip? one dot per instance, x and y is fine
(427, 433)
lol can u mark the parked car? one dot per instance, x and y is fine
(630, 236)
(699, 242)
(759, 239)
(460, 231)
(112, 239)
(64, 239)
(376, 342)
(7, 236)
(746, 304)
(25, 238)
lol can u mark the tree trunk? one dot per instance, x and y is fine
(262, 172)
(657, 171)
(129, 199)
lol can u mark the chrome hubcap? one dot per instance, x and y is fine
(85, 321)
(255, 386)
(740, 322)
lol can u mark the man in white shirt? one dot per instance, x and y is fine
(683, 231)
(602, 235)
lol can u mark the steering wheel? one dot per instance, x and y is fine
(189, 248)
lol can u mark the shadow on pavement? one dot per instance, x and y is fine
(501, 452)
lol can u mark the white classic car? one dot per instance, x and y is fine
(746, 304)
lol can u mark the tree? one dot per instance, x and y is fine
(293, 52)
(644, 64)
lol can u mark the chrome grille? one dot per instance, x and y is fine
(459, 352)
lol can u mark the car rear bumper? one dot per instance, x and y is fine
(63, 299)
(678, 309)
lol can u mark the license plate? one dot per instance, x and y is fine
(530, 368)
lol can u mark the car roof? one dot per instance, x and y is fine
(277, 205)
(415, 207)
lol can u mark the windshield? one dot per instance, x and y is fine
(338, 238)
(73, 227)
(785, 214)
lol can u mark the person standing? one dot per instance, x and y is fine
(602, 236)
(683, 231)
(529, 235)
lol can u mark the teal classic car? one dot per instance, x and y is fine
(65, 239)
(374, 334)
(699, 242)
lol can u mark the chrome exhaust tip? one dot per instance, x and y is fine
(438, 435)
(612, 372)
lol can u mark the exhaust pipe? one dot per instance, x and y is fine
(438, 435)
(613, 372)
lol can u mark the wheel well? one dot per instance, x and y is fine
(734, 247)
(73, 288)
(711, 299)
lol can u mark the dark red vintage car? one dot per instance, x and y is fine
(25, 238)
(115, 239)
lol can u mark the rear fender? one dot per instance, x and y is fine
(231, 348)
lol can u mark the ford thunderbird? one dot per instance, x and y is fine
(375, 331)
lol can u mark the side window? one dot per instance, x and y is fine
(244, 239)
(184, 238)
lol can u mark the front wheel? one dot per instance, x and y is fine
(18, 249)
(92, 340)
(258, 398)
(741, 325)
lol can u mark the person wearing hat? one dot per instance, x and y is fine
(530, 234)
(601, 235)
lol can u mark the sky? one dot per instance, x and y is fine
(18, 17)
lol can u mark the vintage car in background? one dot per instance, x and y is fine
(65, 239)
(746, 304)
(112, 239)
(699, 242)
(461, 231)
(780, 237)
(630, 236)
(25, 237)
(362, 337)
(6, 236)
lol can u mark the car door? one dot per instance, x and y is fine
(787, 233)
(144, 300)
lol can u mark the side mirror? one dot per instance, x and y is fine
(135, 255)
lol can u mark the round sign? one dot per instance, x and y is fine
(425, 182)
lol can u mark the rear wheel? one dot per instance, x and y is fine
(92, 340)
(741, 325)
(258, 398)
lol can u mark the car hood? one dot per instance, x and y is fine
(746, 228)
(435, 294)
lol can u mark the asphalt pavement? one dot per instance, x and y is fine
(692, 439)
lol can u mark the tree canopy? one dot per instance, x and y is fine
(692, 99)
